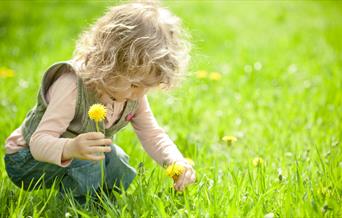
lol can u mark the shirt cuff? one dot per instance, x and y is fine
(59, 153)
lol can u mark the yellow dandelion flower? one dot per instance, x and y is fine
(5, 72)
(229, 139)
(97, 112)
(201, 74)
(175, 170)
(215, 76)
(258, 161)
(191, 162)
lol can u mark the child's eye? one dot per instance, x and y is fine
(134, 86)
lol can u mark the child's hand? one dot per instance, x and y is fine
(185, 179)
(87, 146)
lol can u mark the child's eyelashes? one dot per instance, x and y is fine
(134, 86)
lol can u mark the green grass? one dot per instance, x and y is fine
(289, 112)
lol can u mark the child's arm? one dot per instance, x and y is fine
(159, 145)
(153, 138)
(46, 144)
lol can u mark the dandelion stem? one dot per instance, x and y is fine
(97, 126)
(101, 161)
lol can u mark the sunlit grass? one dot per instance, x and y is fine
(266, 73)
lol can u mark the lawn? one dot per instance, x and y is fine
(266, 72)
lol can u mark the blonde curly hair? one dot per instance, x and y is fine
(142, 42)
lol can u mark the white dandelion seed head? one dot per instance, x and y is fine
(257, 66)
(292, 68)
(23, 84)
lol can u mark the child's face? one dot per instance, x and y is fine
(125, 90)
(132, 93)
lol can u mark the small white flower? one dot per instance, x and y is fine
(279, 171)
(280, 175)
(288, 154)
(23, 84)
(239, 134)
(238, 121)
(226, 69)
(257, 66)
(269, 215)
(67, 215)
(244, 197)
(292, 68)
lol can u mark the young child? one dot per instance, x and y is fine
(132, 48)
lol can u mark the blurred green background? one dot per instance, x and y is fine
(278, 90)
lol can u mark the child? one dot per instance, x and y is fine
(129, 50)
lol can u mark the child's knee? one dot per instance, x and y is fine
(119, 153)
(82, 177)
(118, 168)
(29, 174)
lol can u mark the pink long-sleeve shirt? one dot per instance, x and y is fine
(46, 145)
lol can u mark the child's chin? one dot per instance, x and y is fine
(131, 99)
(121, 99)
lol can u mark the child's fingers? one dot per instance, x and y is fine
(94, 157)
(99, 149)
(187, 178)
(93, 135)
(193, 177)
(180, 180)
(98, 142)
(183, 180)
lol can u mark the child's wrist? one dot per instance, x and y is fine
(66, 154)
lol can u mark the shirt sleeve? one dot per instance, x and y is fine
(153, 138)
(46, 144)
